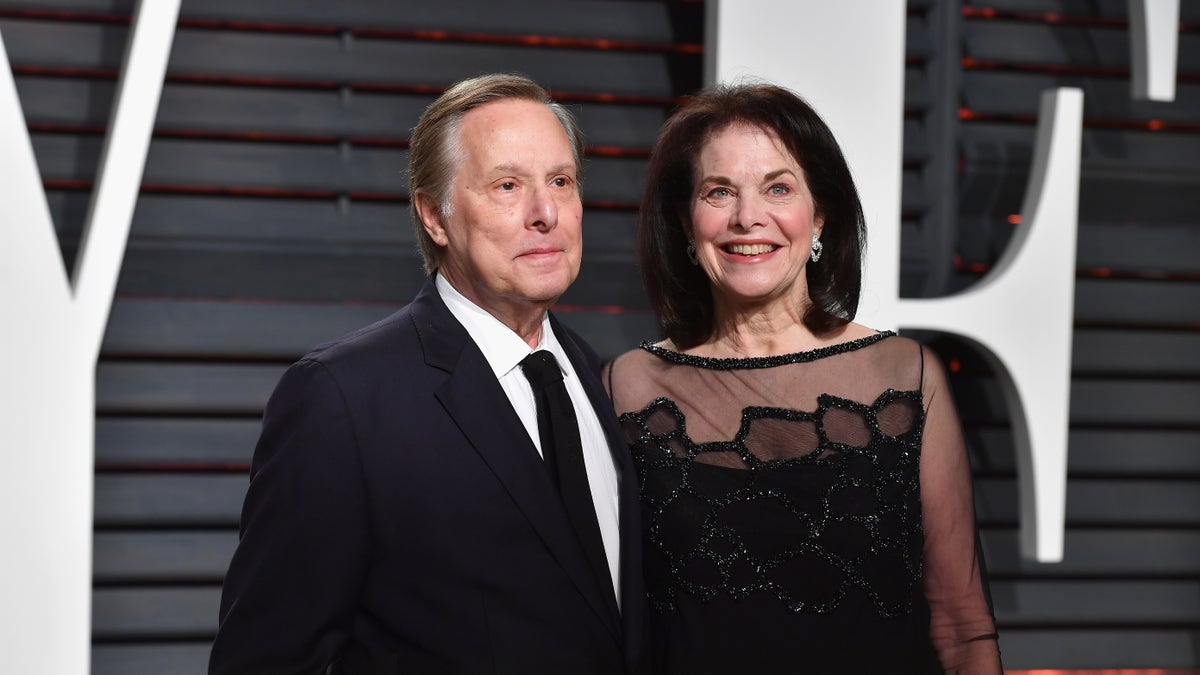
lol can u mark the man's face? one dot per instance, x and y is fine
(513, 237)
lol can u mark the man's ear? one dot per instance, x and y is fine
(431, 217)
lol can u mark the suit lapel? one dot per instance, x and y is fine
(596, 395)
(612, 433)
(632, 588)
(478, 405)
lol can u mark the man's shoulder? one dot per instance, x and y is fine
(390, 335)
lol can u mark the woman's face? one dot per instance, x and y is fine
(753, 219)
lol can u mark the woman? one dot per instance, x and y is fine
(804, 478)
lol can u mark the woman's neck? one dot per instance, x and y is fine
(742, 330)
(747, 331)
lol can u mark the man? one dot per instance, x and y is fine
(417, 503)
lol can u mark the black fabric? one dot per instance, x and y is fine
(805, 512)
(400, 520)
(562, 451)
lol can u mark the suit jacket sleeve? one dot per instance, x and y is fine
(290, 596)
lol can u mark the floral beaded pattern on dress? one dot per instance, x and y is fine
(806, 506)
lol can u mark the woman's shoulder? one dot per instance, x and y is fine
(873, 343)
(895, 358)
(857, 332)
(636, 360)
(636, 376)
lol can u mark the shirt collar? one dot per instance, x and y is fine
(502, 347)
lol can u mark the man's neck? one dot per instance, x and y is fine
(523, 318)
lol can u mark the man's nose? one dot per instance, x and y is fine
(543, 210)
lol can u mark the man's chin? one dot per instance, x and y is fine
(546, 297)
(547, 288)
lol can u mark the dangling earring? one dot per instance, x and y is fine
(691, 252)
(817, 247)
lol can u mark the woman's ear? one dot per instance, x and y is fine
(431, 217)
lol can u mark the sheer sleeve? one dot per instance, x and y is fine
(961, 625)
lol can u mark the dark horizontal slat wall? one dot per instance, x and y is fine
(274, 216)
(1128, 592)
(330, 128)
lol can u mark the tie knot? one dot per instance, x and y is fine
(541, 369)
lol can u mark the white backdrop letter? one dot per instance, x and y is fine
(1154, 48)
(53, 326)
(847, 59)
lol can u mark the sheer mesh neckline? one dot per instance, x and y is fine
(748, 363)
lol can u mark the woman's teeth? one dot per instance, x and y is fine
(750, 249)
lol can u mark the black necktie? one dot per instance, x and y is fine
(563, 453)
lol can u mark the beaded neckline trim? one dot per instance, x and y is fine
(711, 363)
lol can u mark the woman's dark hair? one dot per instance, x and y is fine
(679, 291)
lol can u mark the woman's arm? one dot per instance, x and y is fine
(961, 624)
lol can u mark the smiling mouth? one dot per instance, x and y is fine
(749, 249)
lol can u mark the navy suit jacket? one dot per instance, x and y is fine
(400, 520)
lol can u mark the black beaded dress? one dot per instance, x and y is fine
(806, 513)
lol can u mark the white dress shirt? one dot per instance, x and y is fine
(504, 350)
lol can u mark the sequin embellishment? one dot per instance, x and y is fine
(710, 363)
(808, 529)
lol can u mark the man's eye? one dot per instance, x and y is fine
(561, 181)
(508, 186)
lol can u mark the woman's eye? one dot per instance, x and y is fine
(718, 193)
(779, 190)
